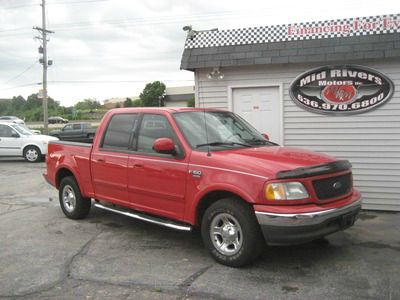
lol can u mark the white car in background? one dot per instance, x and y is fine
(15, 140)
(12, 119)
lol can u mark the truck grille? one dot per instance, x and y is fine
(333, 187)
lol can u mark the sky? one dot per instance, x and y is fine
(111, 48)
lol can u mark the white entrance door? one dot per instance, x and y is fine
(261, 107)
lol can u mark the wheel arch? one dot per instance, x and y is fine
(33, 145)
(213, 196)
(61, 174)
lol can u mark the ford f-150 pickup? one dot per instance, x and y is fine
(188, 167)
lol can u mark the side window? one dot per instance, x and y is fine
(76, 127)
(118, 131)
(153, 127)
(68, 127)
(5, 131)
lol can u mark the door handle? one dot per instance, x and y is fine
(138, 166)
(100, 160)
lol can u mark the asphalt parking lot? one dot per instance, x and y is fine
(44, 255)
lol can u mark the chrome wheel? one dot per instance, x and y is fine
(31, 154)
(69, 198)
(226, 234)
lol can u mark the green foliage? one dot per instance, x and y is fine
(118, 105)
(137, 103)
(153, 93)
(128, 102)
(88, 104)
(190, 102)
(30, 109)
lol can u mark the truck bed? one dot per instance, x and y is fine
(72, 154)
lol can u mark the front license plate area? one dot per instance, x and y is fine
(347, 220)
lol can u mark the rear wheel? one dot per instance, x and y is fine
(73, 205)
(231, 233)
(32, 154)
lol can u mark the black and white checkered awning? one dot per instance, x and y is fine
(299, 31)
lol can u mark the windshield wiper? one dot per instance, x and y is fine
(257, 141)
(223, 144)
(260, 142)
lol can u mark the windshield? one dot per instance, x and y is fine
(22, 130)
(224, 129)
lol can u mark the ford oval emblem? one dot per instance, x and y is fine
(337, 185)
(341, 89)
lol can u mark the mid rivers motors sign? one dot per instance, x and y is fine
(341, 89)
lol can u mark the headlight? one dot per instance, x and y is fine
(285, 191)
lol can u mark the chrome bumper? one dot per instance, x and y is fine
(306, 219)
(284, 229)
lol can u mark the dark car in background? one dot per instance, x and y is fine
(75, 132)
(57, 120)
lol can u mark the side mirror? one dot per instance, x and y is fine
(164, 146)
(14, 134)
(266, 136)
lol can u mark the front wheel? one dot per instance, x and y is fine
(32, 154)
(73, 205)
(231, 233)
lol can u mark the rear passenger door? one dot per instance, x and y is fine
(156, 182)
(109, 160)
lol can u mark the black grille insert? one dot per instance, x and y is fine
(333, 187)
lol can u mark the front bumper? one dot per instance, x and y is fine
(297, 228)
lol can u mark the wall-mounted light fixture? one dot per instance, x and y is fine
(215, 74)
(191, 32)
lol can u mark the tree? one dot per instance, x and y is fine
(128, 102)
(190, 102)
(118, 105)
(152, 94)
(18, 102)
(88, 104)
(137, 103)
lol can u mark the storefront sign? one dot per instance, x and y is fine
(342, 89)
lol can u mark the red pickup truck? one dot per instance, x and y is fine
(206, 168)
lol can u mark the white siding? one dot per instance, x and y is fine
(371, 141)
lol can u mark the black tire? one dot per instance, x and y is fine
(241, 226)
(32, 154)
(73, 205)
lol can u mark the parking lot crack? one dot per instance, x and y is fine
(10, 210)
(81, 252)
(186, 284)
(65, 271)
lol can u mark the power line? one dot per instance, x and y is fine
(20, 74)
(21, 85)
(75, 2)
(149, 21)
(52, 3)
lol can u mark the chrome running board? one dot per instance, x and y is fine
(147, 218)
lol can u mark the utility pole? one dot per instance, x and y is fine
(43, 50)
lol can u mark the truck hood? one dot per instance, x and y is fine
(268, 161)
